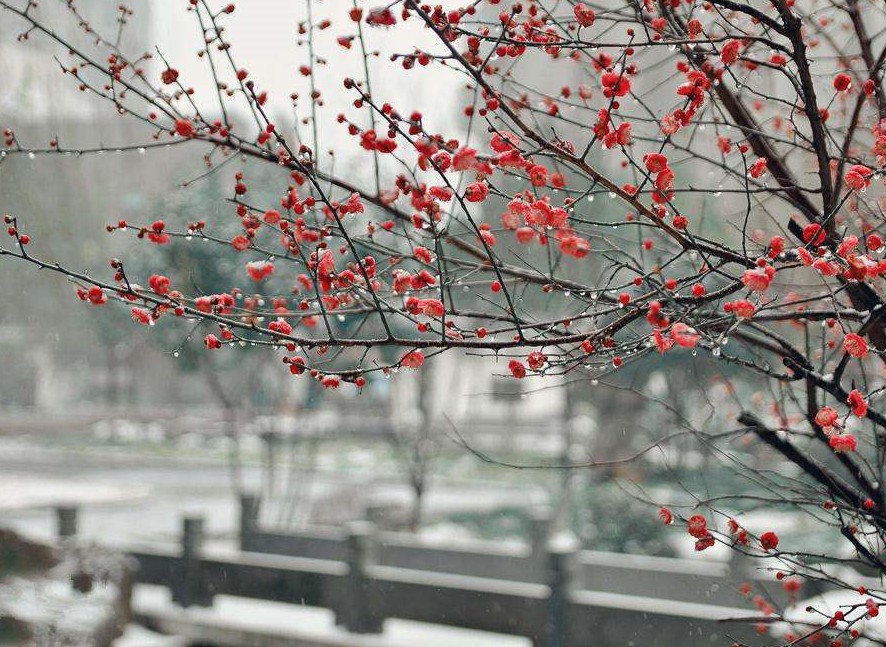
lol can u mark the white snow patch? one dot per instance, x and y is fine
(137, 636)
(243, 617)
(49, 604)
(21, 491)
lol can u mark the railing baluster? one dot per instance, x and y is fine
(189, 589)
(250, 505)
(539, 519)
(561, 550)
(356, 612)
(66, 521)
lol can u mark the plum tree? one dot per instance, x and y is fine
(622, 181)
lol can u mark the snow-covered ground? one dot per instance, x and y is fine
(24, 491)
(69, 596)
(50, 605)
(137, 636)
(133, 496)
(258, 623)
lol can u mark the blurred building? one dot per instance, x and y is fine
(63, 202)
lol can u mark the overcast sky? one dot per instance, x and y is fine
(265, 42)
(264, 37)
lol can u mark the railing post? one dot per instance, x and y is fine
(561, 553)
(356, 611)
(539, 519)
(66, 521)
(189, 588)
(250, 504)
